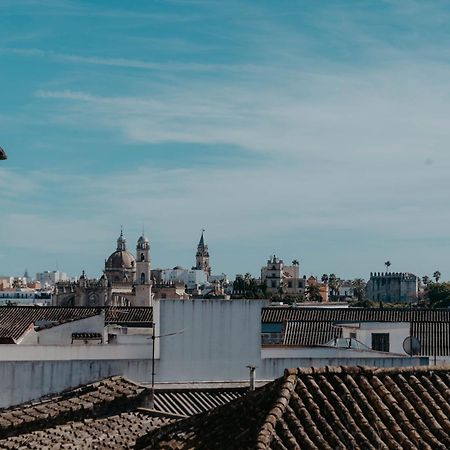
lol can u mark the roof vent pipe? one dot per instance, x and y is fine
(252, 377)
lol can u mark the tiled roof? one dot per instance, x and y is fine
(187, 402)
(15, 320)
(281, 314)
(111, 395)
(316, 326)
(331, 408)
(309, 333)
(114, 432)
(135, 315)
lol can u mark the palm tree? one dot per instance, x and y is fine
(387, 264)
(295, 263)
(324, 278)
(333, 283)
(437, 275)
(358, 285)
(425, 280)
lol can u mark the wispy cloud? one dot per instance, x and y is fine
(123, 62)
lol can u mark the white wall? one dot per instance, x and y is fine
(398, 332)
(215, 340)
(62, 334)
(220, 338)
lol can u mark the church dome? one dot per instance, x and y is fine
(121, 259)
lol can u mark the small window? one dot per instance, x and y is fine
(352, 335)
(274, 283)
(289, 284)
(380, 342)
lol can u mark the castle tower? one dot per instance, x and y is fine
(202, 256)
(143, 285)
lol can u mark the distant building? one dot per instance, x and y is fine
(126, 281)
(50, 278)
(202, 257)
(280, 278)
(323, 287)
(6, 283)
(392, 287)
(190, 278)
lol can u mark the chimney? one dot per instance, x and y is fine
(252, 377)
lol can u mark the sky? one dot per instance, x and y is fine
(316, 131)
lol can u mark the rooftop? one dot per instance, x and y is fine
(329, 408)
(15, 320)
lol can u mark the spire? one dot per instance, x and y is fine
(202, 256)
(201, 244)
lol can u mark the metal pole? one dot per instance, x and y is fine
(152, 390)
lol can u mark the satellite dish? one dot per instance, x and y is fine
(412, 345)
(2, 154)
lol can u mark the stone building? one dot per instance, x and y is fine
(125, 281)
(392, 287)
(202, 257)
(280, 278)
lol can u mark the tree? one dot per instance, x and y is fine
(334, 283)
(387, 264)
(359, 285)
(437, 275)
(313, 293)
(439, 295)
(324, 278)
(295, 262)
(426, 280)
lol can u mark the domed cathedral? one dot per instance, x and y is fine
(202, 256)
(125, 282)
(120, 267)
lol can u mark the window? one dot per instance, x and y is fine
(274, 283)
(289, 284)
(352, 335)
(380, 342)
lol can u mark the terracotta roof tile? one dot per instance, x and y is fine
(92, 400)
(327, 408)
(113, 432)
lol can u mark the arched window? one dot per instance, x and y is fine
(142, 278)
(142, 257)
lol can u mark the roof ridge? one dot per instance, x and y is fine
(364, 370)
(265, 433)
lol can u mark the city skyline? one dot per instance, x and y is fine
(311, 131)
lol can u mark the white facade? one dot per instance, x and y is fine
(50, 278)
(191, 278)
(26, 296)
(364, 332)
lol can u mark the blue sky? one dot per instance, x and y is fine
(317, 131)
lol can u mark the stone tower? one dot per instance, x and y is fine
(143, 285)
(202, 256)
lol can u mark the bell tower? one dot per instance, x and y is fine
(143, 285)
(202, 256)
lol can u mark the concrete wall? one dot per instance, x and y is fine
(213, 340)
(62, 334)
(219, 339)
